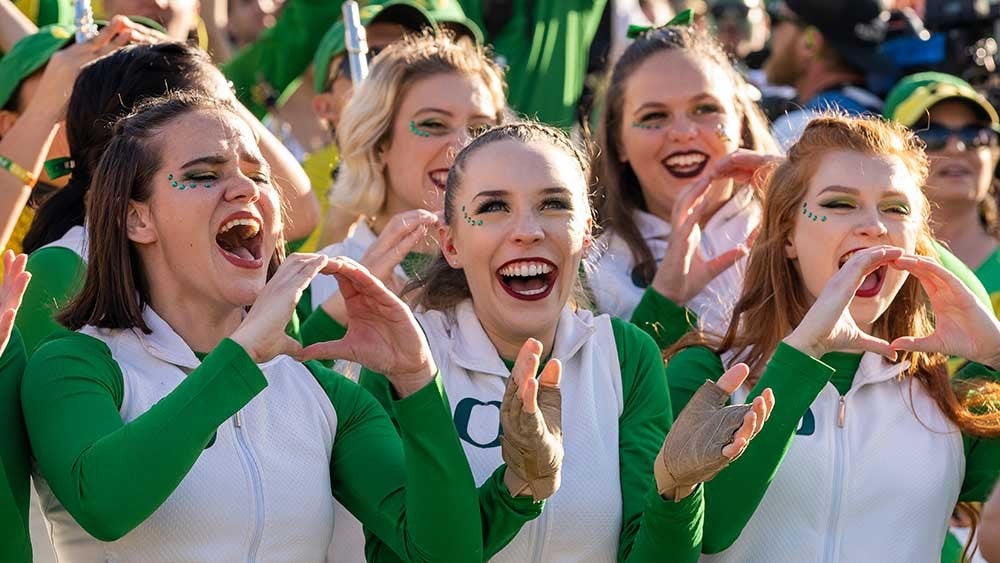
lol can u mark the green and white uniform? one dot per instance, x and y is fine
(615, 415)
(14, 458)
(989, 273)
(862, 465)
(162, 456)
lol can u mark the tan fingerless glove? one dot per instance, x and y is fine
(692, 450)
(531, 444)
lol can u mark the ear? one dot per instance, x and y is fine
(790, 251)
(812, 41)
(588, 233)
(447, 244)
(7, 119)
(323, 107)
(139, 223)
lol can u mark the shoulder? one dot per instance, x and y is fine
(54, 259)
(697, 358)
(73, 355)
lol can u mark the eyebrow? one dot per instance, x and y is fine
(449, 114)
(857, 192)
(660, 105)
(216, 159)
(499, 193)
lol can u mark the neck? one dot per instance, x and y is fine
(390, 209)
(201, 325)
(509, 345)
(718, 195)
(959, 227)
(818, 78)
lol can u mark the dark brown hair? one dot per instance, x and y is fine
(440, 285)
(116, 290)
(619, 191)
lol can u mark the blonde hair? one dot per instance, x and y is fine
(366, 126)
(774, 299)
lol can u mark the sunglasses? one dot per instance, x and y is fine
(936, 137)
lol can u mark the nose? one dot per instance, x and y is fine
(527, 230)
(954, 144)
(242, 188)
(459, 139)
(682, 129)
(871, 225)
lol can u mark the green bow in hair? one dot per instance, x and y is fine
(683, 19)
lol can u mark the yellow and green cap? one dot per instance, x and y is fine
(912, 96)
(29, 55)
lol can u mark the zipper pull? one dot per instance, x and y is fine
(840, 415)
(238, 420)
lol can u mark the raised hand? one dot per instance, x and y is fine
(963, 326)
(15, 281)
(828, 325)
(531, 417)
(262, 332)
(707, 435)
(742, 166)
(400, 235)
(383, 335)
(684, 271)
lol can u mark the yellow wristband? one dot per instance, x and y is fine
(18, 171)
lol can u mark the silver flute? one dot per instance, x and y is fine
(83, 18)
(356, 42)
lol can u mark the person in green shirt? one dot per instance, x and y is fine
(178, 422)
(503, 295)
(104, 91)
(961, 130)
(15, 457)
(849, 319)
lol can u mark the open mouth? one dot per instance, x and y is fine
(528, 279)
(686, 164)
(239, 239)
(872, 284)
(953, 171)
(439, 178)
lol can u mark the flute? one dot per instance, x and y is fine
(83, 18)
(356, 42)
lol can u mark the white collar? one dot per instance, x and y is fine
(743, 201)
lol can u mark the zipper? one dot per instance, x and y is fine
(542, 523)
(255, 483)
(838, 478)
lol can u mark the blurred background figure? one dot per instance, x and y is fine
(740, 25)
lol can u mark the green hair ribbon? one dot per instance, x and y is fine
(683, 19)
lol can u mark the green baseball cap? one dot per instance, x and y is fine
(30, 54)
(411, 14)
(911, 97)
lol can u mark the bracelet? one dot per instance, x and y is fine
(18, 171)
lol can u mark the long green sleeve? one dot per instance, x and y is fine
(14, 457)
(733, 495)
(968, 277)
(501, 514)
(320, 327)
(413, 490)
(57, 276)
(111, 475)
(653, 529)
(662, 319)
(982, 455)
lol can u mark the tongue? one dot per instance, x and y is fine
(242, 252)
(870, 283)
(526, 284)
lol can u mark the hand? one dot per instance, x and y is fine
(383, 334)
(62, 69)
(963, 326)
(400, 235)
(15, 281)
(742, 166)
(708, 436)
(684, 272)
(262, 332)
(531, 417)
(828, 325)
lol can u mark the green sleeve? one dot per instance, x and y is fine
(662, 319)
(111, 475)
(982, 455)
(653, 528)
(321, 327)
(968, 277)
(261, 71)
(56, 277)
(414, 489)
(14, 457)
(733, 495)
(502, 515)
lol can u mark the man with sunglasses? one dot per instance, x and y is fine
(962, 132)
(825, 49)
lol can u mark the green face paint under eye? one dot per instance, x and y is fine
(811, 215)
(182, 185)
(470, 220)
(645, 126)
(417, 131)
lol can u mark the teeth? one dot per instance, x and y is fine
(686, 160)
(252, 223)
(532, 291)
(440, 177)
(526, 269)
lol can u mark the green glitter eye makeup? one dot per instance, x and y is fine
(470, 220)
(182, 185)
(645, 126)
(811, 215)
(417, 131)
